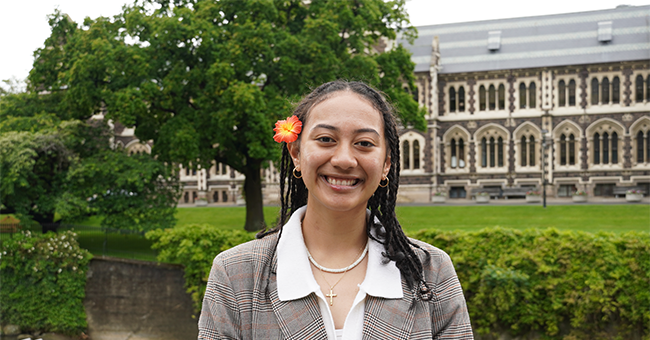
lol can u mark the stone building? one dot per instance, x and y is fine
(506, 96)
(509, 101)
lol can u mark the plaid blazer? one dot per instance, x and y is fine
(241, 301)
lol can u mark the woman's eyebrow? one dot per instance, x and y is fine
(334, 128)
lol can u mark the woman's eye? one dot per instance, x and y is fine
(366, 144)
(325, 139)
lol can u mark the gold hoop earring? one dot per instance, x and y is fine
(294, 174)
(385, 185)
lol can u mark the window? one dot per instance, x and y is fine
(638, 89)
(224, 196)
(566, 190)
(186, 197)
(647, 89)
(416, 154)
(457, 99)
(605, 91)
(522, 95)
(461, 153)
(461, 99)
(594, 91)
(457, 192)
(416, 95)
(492, 152)
(500, 152)
(457, 153)
(596, 148)
(481, 98)
(602, 189)
(532, 95)
(531, 146)
(614, 148)
(640, 154)
(572, 150)
(502, 97)
(454, 158)
(412, 151)
(524, 155)
(572, 93)
(563, 98)
(616, 90)
(452, 99)
(215, 196)
(406, 153)
(606, 148)
(492, 98)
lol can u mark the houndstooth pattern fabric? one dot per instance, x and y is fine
(241, 302)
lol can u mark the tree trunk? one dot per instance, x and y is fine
(253, 193)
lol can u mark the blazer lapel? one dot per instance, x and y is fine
(298, 319)
(389, 318)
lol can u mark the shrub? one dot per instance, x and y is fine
(43, 281)
(564, 285)
(195, 246)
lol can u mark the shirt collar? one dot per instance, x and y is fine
(294, 275)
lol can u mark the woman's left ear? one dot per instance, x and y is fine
(294, 151)
(387, 165)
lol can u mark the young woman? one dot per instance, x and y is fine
(338, 265)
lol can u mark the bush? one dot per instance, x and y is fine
(42, 282)
(195, 246)
(563, 285)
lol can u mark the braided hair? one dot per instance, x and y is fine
(293, 193)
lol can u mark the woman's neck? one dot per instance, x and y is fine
(334, 238)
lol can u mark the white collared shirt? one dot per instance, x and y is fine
(296, 280)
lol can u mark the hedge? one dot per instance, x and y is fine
(42, 282)
(550, 283)
(195, 246)
(545, 284)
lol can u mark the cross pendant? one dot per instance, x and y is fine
(331, 295)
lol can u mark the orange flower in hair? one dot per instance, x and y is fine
(287, 130)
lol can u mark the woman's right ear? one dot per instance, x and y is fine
(294, 151)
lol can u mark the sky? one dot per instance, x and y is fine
(24, 28)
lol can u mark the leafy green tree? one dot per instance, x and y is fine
(50, 164)
(206, 80)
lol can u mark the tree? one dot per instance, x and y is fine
(50, 165)
(206, 80)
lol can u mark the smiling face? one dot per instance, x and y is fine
(341, 153)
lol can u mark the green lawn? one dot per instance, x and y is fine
(591, 218)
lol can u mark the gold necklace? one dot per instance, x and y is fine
(331, 295)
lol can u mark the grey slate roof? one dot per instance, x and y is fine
(540, 41)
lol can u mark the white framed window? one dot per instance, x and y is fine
(567, 139)
(492, 141)
(604, 137)
(456, 141)
(640, 133)
(412, 152)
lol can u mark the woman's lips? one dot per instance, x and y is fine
(348, 182)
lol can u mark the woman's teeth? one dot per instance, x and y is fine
(341, 182)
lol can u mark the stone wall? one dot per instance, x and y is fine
(137, 300)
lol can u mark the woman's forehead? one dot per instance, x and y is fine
(343, 109)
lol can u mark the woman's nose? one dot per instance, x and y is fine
(344, 158)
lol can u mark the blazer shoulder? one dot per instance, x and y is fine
(436, 254)
(255, 252)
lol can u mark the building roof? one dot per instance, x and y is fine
(539, 41)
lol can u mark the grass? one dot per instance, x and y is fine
(590, 218)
